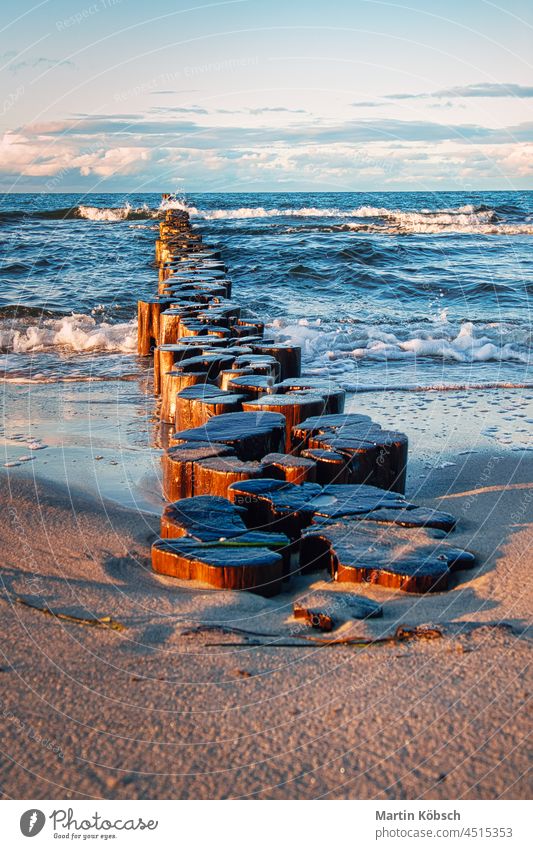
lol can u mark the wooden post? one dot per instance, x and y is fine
(295, 408)
(179, 464)
(214, 475)
(288, 356)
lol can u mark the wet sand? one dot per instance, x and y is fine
(155, 710)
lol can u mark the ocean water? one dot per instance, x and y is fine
(381, 289)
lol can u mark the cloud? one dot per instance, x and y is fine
(179, 110)
(41, 62)
(485, 90)
(21, 155)
(260, 110)
(473, 90)
(172, 131)
(388, 152)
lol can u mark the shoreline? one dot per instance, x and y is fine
(153, 712)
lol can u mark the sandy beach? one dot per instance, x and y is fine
(161, 704)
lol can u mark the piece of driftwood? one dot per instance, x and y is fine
(333, 395)
(178, 464)
(288, 356)
(403, 634)
(225, 565)
(340, 606)
(105, 622)
(313, 616)
(250, 435)
(289, 468)
(362, 552)
(295, 408)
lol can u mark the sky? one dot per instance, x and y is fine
(266, 95)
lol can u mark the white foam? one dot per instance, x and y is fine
(334, 348)
(98, 213)
(73, 333)
(464, 219)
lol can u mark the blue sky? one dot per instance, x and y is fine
(264, 95)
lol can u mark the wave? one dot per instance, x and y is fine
(373, 219)
(23, 311)
(74, 333)
(437, 387)
(22, 379)
(124, 213)
(339, 348)
(413, 224)
(90, 213)
(468, 218)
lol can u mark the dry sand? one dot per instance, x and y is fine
(155, 711)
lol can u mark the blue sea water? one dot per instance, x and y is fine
(380, 289)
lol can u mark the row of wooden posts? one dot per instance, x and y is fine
(255, 449)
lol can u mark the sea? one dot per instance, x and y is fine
(382, 290)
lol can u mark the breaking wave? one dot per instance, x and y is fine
(467, 218)
(336, 348)
(74, 333)
(124, 213)
(89, 213)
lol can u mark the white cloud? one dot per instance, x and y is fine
(235, 158)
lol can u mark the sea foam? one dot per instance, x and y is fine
(75, 333)
(466, 218)
(335, 348)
